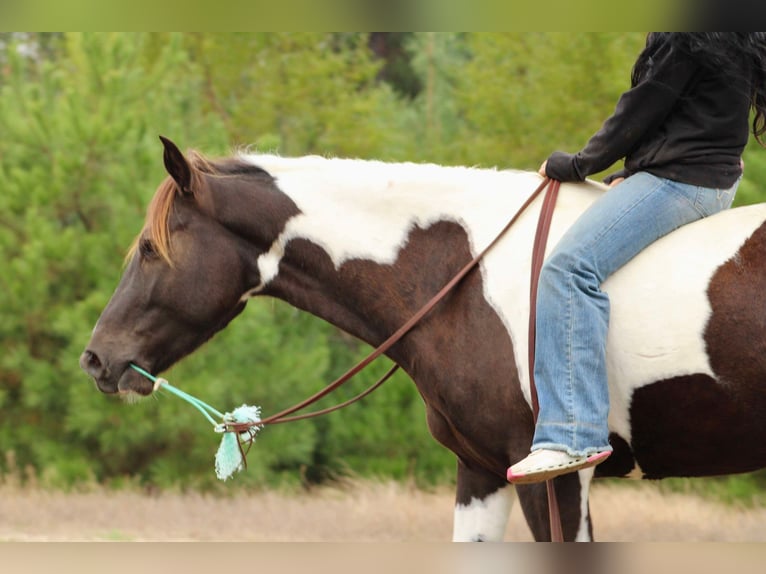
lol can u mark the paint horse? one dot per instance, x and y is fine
(363, 244)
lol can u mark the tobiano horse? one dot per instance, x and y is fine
(363, 244)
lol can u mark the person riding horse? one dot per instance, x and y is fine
(681, 128)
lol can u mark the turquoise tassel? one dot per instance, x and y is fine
(228, 459)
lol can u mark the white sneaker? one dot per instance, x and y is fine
(544, 464)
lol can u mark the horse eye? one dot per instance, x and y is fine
(146, 247)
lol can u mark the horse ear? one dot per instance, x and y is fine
(177, 166)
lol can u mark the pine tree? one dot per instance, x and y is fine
(299, 93)
(79, 158)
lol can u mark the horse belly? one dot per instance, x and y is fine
(685, 351)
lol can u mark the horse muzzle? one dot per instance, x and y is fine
(110, 380)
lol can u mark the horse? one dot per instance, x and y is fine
(363, 244)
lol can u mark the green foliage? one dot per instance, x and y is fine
(752, 189)
(744, 490)
(78, 163)
(524, 95)
(299, 92)
(79, 160)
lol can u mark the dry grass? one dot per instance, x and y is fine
(382, 512)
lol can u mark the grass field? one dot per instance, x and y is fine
(354, 512)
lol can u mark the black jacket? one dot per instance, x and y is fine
(684, 122)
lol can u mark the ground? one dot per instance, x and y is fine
(381, 512)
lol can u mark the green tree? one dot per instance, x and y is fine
(78, 162)
(299, 92)
(752, 188)
(525, 94)
(435, 120)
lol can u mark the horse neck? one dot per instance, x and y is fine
(372, 241)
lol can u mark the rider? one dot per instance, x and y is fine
(682, 128)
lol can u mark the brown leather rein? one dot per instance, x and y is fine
(538, 254)
(537, 257)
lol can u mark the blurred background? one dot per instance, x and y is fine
(79, 160)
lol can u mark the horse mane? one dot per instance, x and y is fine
(157, 224)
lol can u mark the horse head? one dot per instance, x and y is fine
(185, 277)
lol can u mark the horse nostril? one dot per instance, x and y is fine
(91, 364)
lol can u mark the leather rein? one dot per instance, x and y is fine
(538, 254)
(537, 258)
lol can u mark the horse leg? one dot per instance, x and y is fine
(572, 494)
(483, 503)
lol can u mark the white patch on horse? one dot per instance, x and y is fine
(268, 265)
(367, 209)
(660, 307)
(483, 520)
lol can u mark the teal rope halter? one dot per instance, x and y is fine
(231, 455)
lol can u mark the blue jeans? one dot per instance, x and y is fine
(573, 312)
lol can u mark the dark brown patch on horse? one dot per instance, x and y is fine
(736, 333)
(460, 355)
(621, 462)
(694, 426)
(697, 425)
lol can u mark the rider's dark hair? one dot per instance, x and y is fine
(741, 53)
